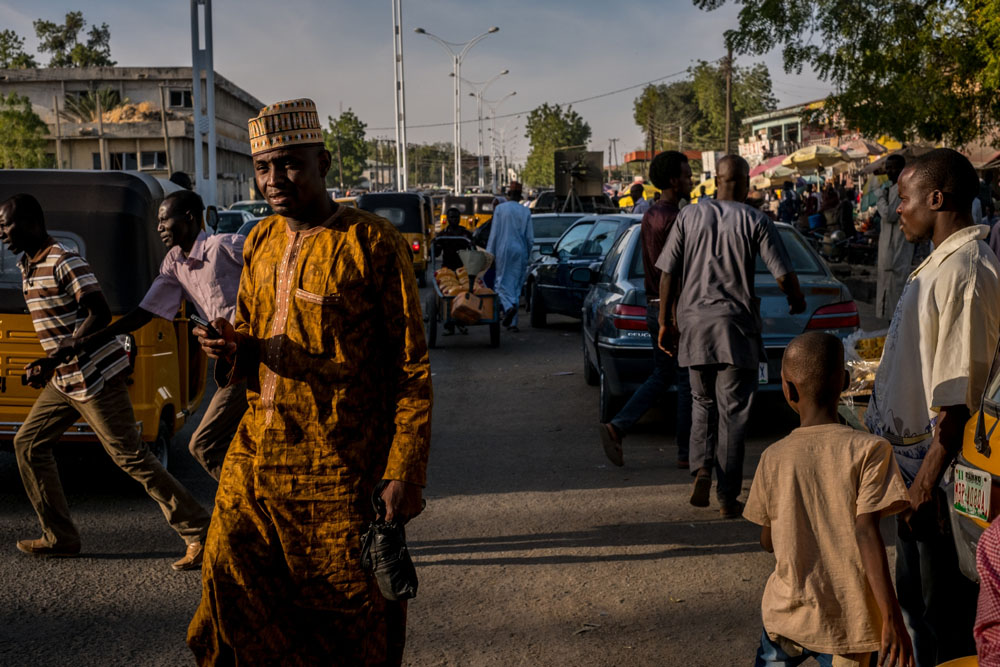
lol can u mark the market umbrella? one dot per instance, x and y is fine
(908, 152)
(767, 164)
(782, 172)
(814, 158)
(862, 148)
(760, 182)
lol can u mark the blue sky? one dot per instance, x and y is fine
(340, 53)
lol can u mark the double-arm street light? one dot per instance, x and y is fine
(457, 51)
(480, 89)
(493, 133)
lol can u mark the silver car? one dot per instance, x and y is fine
(617, 347)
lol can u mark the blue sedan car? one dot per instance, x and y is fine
(618, 350)
(549, 287)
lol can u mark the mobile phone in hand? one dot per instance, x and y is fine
(203, 323)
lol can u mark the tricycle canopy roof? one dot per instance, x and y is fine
(109, 217)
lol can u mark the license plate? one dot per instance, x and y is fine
(762, 373)
(972, 492)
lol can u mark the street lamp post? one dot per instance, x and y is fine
(503, 147)
(493, 133)
(456, 62)
(480, 90)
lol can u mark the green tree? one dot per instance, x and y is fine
(83, 108)
(346, 142)
(63, 42)
(22, 134)
(548, 128)
(909, 69)
(12, 55)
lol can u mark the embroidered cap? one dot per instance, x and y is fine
(291, 123)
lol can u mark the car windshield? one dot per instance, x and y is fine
(804, 260)
(551, 228)
(484, 204)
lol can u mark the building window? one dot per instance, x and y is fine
(774, 133)
(153, 160)
(181, 98)
(117, 161)
(792, 132)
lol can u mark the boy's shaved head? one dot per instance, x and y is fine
(814, 363)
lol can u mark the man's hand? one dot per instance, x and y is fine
(403, 500)
(796, 304)
(669, 339)
(68, 348)
(897, 650)
(39, 372)
(218, 348)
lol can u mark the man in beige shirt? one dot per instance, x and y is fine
(819, 494)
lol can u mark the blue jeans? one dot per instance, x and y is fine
(770, 654)
(665, 373)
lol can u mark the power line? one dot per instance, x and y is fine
(560, 104)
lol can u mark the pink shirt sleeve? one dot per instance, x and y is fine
(987, 628)
(165, 294)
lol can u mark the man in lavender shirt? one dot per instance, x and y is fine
(206, 271)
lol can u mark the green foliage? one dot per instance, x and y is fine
(346, 142)
(22, 134)
(698, 105)
(548, 128)
(83, 108)
(63, 42)
(12, 55)
(926, 69)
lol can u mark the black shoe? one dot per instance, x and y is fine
(508, 316)
(701, 488)
(732, 509)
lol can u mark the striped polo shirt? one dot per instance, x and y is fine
(54, 282)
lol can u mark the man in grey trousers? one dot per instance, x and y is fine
(710, 320)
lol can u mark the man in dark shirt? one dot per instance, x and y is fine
(670, 172)
(710, 320)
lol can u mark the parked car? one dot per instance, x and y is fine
(617, 347)
(256, 207)
(547, 228)
(244, 230)
(549, 287)
(229, 222)
(974, 498)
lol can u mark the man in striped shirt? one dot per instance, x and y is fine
(66, 304)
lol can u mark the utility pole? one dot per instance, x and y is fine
(204, 120)
(400, 96)
(680, 138)
(340, 164)
(729, 93)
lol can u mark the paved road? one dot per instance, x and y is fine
(533, 549)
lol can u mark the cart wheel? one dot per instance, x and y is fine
(537, 308)
(432, 323)
(495, 334)
(161, 445)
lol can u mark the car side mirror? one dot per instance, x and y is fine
(547, 249)
(584, 275)
(212, 218)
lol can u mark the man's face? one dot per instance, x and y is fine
(175, 227)
(454, 218)
(893, 168)
(916, 215)
(292, 180)
(13, 231)
(682, 186)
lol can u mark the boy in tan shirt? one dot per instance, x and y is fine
(819, 494)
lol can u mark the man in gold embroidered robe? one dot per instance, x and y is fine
(329, 335)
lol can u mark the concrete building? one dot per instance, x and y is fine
(152, 133)
(781, 132)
